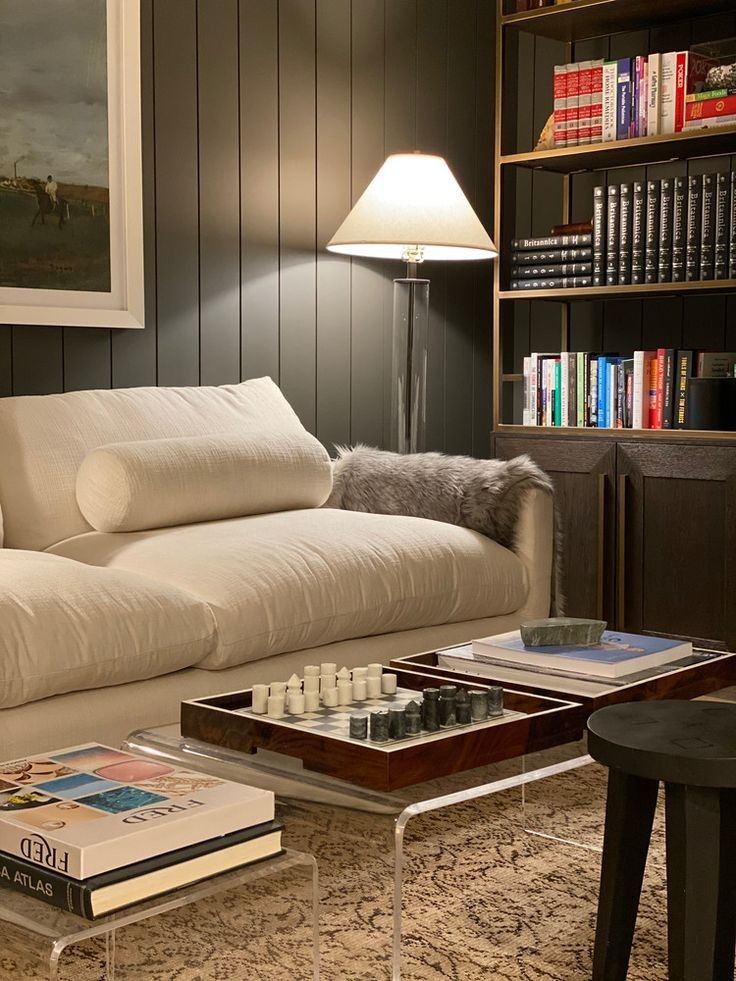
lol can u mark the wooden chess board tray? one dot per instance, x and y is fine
(703, 672)
(321, 740)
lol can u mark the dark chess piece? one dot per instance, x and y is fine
(358, 726)
(495, 702)
(448, 706)
(462, 707)
(397, 722)
(413, 718)
(478, 704)
(379, 727)
(430, 710)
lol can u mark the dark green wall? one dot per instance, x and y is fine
(263, 120)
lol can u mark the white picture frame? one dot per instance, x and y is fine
(123, 306)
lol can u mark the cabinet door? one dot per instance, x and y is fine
(677, 540)
(583, 474)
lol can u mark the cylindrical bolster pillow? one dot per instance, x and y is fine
(161, 482)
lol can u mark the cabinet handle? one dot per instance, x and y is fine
(621, 553)
(600, 558)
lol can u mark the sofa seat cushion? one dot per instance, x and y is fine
(298, 579)
(67, 626)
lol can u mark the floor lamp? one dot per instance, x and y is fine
(413, 210)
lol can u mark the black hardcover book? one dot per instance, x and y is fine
(668, 398)
(612, 235)
(708, 227)
(723, 214)
(555, 271)
(679, 230)
(551, 256)
(732, 231)
(556, 283)
(684, 369)
(694, 216)
(624, 234)
(651, 240)
(170, 870)
(666, 205)
(638, 229)
(553, 242)
(599, 236)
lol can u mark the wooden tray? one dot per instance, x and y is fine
(711, 671)
(535, 722)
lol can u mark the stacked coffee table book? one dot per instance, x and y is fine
(92, 830)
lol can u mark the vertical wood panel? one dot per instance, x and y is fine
(6, 361)
(259, 134)
(298, 226)
(333, 204)
(219, 192)
(461, 276)
(177, 206)
(87, 359)
(133, 352)
(482, 326)
(432, 109)
(38, 360)
(368, 282)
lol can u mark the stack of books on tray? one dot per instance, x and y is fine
(618, 659)
(552, 262)
(92, 830)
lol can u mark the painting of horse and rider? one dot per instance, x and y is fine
(54, 174)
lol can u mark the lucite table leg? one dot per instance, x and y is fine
(447, 800)
(315, 916)
(110, 954)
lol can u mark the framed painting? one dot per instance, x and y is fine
(71, 221)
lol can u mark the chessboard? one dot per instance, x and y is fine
(335, 722)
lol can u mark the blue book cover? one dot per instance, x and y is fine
(623, 99)
(617, 654)
(603, 392)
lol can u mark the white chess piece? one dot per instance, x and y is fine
(373, 687)
(259, 700)
(311, 683)
(295, 702)
(294, 683)
(344, 692)
(311, 700)
(276, 706)
(330, 697)
(328, 667)
(360, 689)
(375, 670)
(312, 671)
(277, 688)
(388, 684)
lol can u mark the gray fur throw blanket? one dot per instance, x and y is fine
(483, 495)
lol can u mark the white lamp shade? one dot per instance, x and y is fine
(413, 201)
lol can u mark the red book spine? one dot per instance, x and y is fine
(584, 96)
(573, 104)
(659, 389)
(680, 91)
(560, 103)
(710, 108)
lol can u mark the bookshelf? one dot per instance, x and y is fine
(571, 23)
(648, 515)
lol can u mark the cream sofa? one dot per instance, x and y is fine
(161, 544)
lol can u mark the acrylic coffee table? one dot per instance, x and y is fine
(55, 930)
(290, 781)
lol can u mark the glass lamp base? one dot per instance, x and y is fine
(409, 365)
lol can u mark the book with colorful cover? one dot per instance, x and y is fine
(617, 655)
(89, 809)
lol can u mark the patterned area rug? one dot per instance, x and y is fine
(483, 900)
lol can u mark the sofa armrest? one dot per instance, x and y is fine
(534, 545)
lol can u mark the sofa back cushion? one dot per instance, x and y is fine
(44, 439)
(67, 626)
(157, 483)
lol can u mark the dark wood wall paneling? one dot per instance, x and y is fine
(263, 121)
(613, 325)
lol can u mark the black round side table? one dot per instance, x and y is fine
(691, 748)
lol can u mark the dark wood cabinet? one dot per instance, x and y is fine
(649, 531)
(676, 540)
(584, 476)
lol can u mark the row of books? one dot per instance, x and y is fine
(678, 229)
(91, 829)
(599, 101)
(552, 262)
(649, 391)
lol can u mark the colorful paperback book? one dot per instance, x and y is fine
(617, 655)
(89, 809)
(668, 93)
(654, 71)
(596, 101)
(610, 86)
